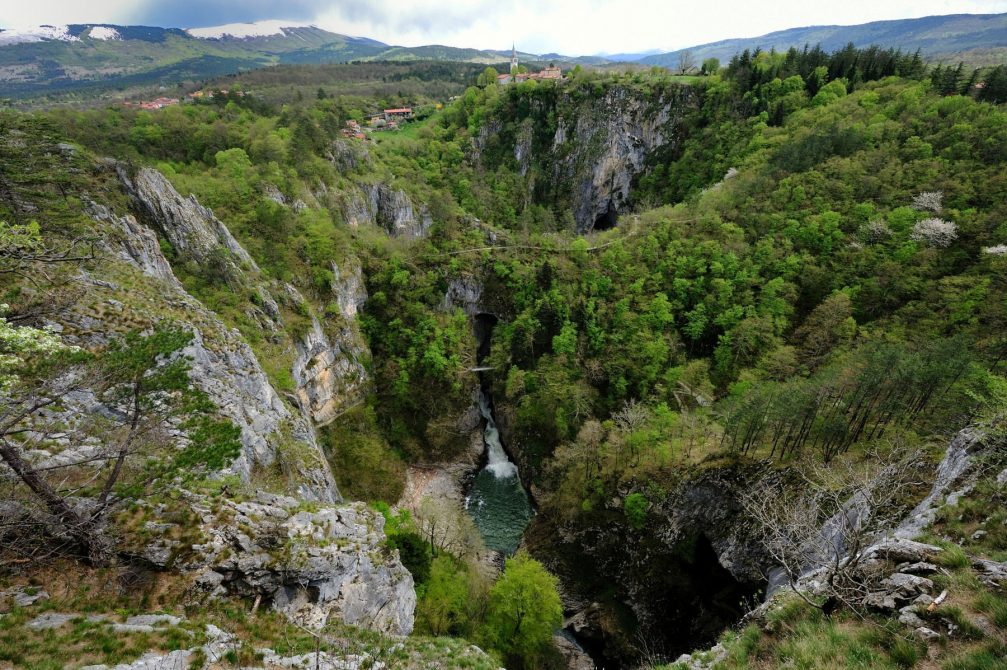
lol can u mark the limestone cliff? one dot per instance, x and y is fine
(270, 523)
(191, 228)
(329, 374)
(585, 152)
(387, 207)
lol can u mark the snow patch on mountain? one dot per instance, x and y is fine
(245, 30)
(36, 34)
(104, 33)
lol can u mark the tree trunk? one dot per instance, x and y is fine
(83, 530)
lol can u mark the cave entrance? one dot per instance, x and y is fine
(696, 598)
(608, 219)
(678, 601)
(483, 325)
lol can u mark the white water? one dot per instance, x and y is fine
(496, 458)
(497, 501)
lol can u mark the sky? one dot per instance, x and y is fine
(572, 27)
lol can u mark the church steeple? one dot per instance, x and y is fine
(513, 58)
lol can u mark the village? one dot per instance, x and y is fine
(516, 76)
(386, 120)
(162, 102)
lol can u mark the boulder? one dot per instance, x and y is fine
(312, 563)
(924, 634)
(897, 590)
(901, 550)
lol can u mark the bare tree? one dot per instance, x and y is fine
(686, 62)
(443, 523)
(825, 520)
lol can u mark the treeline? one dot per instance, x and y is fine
(751, 69)
(751, 72)
(880, 385)
(990, 86)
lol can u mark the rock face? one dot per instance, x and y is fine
(329, 368)
(596, 149)
(463, 292)
(329, 373)
(348, 287)
(390, 208)
(138, 244)
(310, 564)
(191, 228)
(954, 471)
(237, 385)
(222, 363)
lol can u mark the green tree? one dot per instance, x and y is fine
(414, 552)
(524, 609)
(635, 506)
(710, 66)
(454, 600)
(141, 374)
(488, 76)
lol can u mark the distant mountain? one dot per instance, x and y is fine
(94, 57)
(937, 37)
(629, 57)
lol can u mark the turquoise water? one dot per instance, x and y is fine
(498, 503)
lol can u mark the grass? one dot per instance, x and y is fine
(117, 594)
(792, 634)
(81, 642)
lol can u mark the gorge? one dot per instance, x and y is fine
(313, 394)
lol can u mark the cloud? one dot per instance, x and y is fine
(197, 13)
(565, 26)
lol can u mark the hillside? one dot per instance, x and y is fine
(86, 59)
(975, 38)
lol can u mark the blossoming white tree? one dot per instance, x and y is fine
(929, 201)
(935, 232)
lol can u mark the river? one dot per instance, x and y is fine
(497, 500)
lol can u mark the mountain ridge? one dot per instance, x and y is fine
(80, 57)
(937, 37)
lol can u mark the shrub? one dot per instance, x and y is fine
(635, 506)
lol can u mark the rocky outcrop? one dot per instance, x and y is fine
(329, 365)
(221, 362)
(329, 372)
(191, 229)
(348, 156)
(312, 564)
(597, 148)
(953, 480)
(349, 288)
(387, 207)
(137, 244)
(465, 293)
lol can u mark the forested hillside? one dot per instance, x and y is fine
(784, 280)
(978, 38)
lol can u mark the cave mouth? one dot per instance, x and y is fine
(678, 601)
(608, 219)
(483, 325)
(696, 598)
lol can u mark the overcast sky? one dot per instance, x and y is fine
(574, 27)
